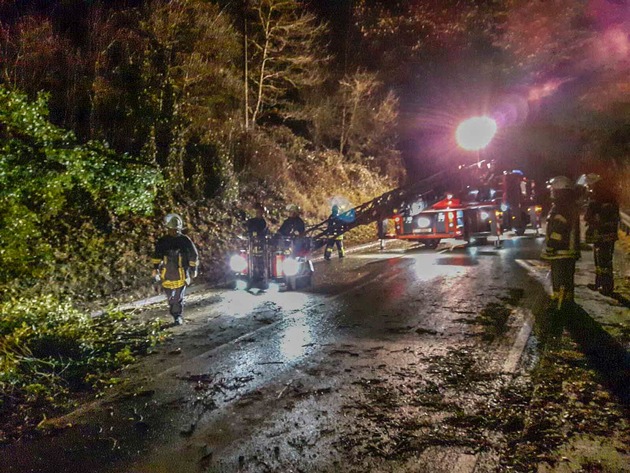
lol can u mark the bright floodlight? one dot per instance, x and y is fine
(475, 133)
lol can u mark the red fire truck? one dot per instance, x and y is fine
(485, 205)
(484, 208)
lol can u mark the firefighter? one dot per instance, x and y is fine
(175, 263)
(293, 226)
(258, 251)
(562, 243)
(257, 226)
(335, 234)
(602, 222)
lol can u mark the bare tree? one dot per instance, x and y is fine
(360, 120)
(285, 44)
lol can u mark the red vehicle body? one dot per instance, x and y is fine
(518, 203)
(264, 261)
(482, 210)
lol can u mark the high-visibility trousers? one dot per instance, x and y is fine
(562, 274)
(175, 298)
(603, 255)
(331, 243)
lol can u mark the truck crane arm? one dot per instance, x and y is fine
(386, 204)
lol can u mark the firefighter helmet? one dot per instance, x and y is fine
(561, 183)
(293, 208)
(174, 221)
(561, 187)
(588, 180)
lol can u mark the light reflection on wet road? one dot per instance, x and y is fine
(255, 371)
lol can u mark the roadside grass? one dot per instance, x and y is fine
(52, 356)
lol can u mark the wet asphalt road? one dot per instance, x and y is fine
(355, 374)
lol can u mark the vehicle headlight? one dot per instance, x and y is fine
(424, 222)
(504, 207)
(484, 215)
(290, 267)
(238, 263)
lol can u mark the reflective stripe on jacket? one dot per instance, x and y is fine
(174, 257)
(563, 233)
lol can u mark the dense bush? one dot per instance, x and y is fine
(51, 186)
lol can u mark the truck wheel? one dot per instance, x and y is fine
(432, 244)
(520, 231)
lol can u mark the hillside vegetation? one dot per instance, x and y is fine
(144, 114)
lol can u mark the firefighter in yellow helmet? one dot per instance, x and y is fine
(175, 262)
(335, 234)
(602, 223)
(562, 242)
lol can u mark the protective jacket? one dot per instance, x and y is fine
(335, 227)
(563, 233)
(175, 258)
(257, 226)
(602, 221)
(292, 226)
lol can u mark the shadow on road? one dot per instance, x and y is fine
(605, 355)
(624, 301)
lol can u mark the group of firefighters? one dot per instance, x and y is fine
(175, 260)
(562, 242)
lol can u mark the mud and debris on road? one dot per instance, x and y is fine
(390, 363)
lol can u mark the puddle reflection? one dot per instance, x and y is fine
(240, 303)
(427, 268)
(295, 339)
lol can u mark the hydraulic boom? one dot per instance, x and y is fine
(385, 205)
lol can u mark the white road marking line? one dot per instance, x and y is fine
(467, 463)
(538, 272)
(516, 352)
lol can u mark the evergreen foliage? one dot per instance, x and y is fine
(47, 177)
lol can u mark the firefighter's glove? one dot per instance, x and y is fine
(155, 277)
(194, 273)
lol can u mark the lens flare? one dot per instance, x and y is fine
(475, 133)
